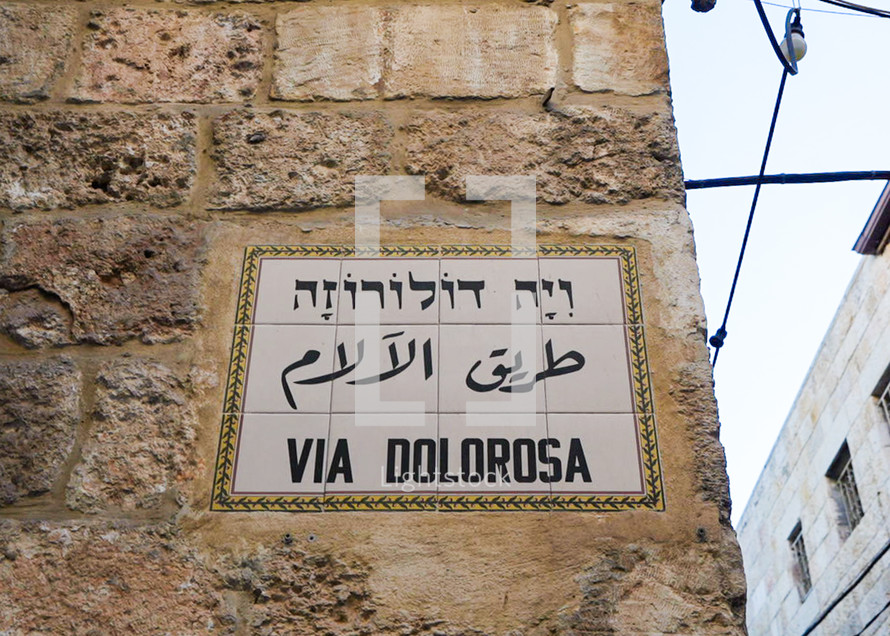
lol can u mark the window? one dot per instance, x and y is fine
(884, 402)
(845, 490)
(882, 392)
(801, 563)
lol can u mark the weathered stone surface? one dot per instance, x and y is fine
(149, 420)
(34, 319)
(303, 591)
(605, 155)
(659, 589)
(134, 55)
(491, 50)
(141, 441)
(67, 578)
(107, 578)
(337, 52)
(65, 159)
(283, 160)
(619, 47)
(692, 389)
(34, 43)
(120, 278)
(39, 412)
(299, 592)
(329, 52)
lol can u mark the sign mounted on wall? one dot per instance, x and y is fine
(449, 378)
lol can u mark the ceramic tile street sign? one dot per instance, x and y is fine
(438, 378)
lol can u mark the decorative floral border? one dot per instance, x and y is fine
(653, 499)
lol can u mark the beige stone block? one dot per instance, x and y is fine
(34, 319)
(141, 442)
(328, 52)
(687, 587)
(39, 413)
(594, 155)
(104, 578)
(486, 51)
(34, 44)
(63, 159)
(136, 55)
(281, 160)
(619, 47)
(118, 278)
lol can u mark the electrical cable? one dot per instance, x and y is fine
(719, 337)
(857, 7)
(847, 13)
(789, 65)
(850, 588)
(873, 619)
(785, 179)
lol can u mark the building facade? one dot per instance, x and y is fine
(153, 153)
(815, 533)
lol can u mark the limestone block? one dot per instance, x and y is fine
(134, 55)
(619, 47)
(34, 44)
(328, 52)
(300, 592)
(692, 387)
(594, 155)
(819, 558)
(491, 50)
(39, 413)
(67, 578)
(76, 578)
(120, 278)
(34, 319)
(640, 588)
(283, 160)
(64, 159)
(141, 441)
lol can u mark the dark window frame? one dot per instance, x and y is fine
(801, 567)
(846, 493)
(884, 403)
(882, 394)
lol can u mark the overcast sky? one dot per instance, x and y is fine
(725, 77)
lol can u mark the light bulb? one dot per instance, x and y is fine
(800, 45)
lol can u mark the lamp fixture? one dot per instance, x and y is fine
(794, 46)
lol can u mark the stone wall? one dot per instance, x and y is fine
(835, 404)
(144, 144)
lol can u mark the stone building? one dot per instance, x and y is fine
(816, 531)
(155, 154)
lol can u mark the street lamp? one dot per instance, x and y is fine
(794, 45)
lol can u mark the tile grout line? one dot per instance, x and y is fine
(324, 495)
(438, 388)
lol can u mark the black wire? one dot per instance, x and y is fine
(873, 619)
(788, 66)
(854, 15)
(858, 7)
(849, 588)
(718, 338)
(783, 179)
